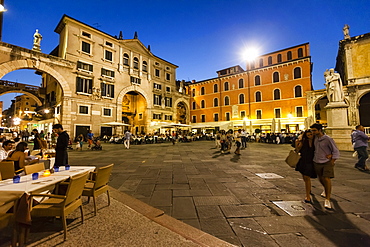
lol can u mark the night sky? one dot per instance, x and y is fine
(200, 36)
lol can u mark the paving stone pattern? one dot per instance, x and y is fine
(222, 195)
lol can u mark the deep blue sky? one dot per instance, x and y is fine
(200, 36)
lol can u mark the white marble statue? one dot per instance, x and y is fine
(333, 85)
(346, 31)
(37, 37)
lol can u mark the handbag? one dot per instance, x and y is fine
(292, 159)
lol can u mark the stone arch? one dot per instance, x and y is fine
(187, 106)
(38, 101)
(363, 106)
(133, 88)
(35, 64)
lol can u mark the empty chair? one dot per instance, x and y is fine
(62, 205)
(99, 184)
(7, 169)
(38, 167)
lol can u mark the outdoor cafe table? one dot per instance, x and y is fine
(13, 191)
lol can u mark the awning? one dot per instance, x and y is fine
(115, 124)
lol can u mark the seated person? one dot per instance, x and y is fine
(5, 149)
(19, 156)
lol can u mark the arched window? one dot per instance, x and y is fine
(136, 63)
(261, 62)
(226, 86)
(202, 91)
(241, 98)
(145, 66)
(258, 96)
(257, 80)
(279, 59)
(193, 92)
(215, 102)
(215, 88)
(297, 73)
(269, 60)
(289, 55)
(203, 104)
(194, 105)
(275, 77)
(241, 83)
(126, 59)
(227, 100)
(300, 52)
(297, 91)
(276, 94)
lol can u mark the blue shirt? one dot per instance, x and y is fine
(359, 139)
(324, 146)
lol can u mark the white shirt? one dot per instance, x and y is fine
(3, 154)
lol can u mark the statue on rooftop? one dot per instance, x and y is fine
(346, 31)
(37, 37)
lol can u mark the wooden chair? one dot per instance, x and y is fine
(62, 205)
(7, 169)
(38, 167)
(98, 185)
(7, 219)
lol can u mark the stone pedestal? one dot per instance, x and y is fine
(338, 129)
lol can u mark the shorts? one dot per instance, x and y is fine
(238, 144)
(324, 169)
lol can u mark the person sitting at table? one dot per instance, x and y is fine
(5, 149)
(19, 157)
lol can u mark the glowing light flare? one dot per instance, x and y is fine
(250, 54)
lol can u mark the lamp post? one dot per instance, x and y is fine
(2, 10)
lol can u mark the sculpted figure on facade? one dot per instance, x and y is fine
(333, 85)
(346, 31)
(37, 37)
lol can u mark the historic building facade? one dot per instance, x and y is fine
(113, 80)
(269, 95)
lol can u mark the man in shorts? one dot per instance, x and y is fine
(326, 153)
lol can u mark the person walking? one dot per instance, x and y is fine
(360, 143)
(305, 166)
(127, 139)
(90, 138)
(238, 141)
(244, 139)
(61, 154)
(326, 153)
(36, 139)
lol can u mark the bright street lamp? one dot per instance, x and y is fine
(2, 9)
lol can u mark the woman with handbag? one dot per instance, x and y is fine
(305, 165)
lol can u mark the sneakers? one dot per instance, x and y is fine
(323, 194)
(327, 204)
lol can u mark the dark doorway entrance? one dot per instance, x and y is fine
(364, 110)
(81, 129)
(105, 131)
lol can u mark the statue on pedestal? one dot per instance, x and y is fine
(37, 37)
(333, 85)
